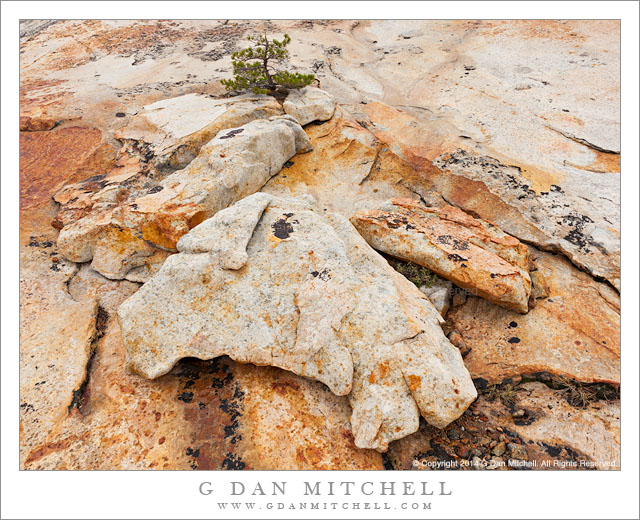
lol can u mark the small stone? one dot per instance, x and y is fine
(539, 287)
(518, 413)
(439, 294)
(475, 452)
(516, 451)
(457, 341)
(485, 441)
(459, 298)
(462, 452)
(499, 449)
(454, 434)
(496, 463)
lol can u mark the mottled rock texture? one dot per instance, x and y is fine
(271, 281)
(533, 422)
(173, 130)
(574, 332)
(121, 228)
(472, 253)
(514, 122)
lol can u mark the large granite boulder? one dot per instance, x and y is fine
(272, 281)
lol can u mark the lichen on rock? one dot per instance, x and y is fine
(472, 253)
(131, 222)
(271, 281)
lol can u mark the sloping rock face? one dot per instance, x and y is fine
(348, 168)
(575, 212)
(574, 332)
(470, 252)
(309, 104)
(78, 151)
(537, 426)
(174, 130)
(81, 410)
(514, 122)
(125, 229)
(272, 282)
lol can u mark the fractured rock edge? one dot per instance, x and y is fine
(270, 281)
(472, 253)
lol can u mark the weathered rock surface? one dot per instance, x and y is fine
(123, 230)
(575, 332)
(309, 104)
(270, 281)
(81, 410)
(498, 116)
(538, 425)
(575, 212)
(174, 130)
(472, 253)
(50, 159)
(347, 169)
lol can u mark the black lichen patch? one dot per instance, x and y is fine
(186, 397)
(514, 340)
(456, 258)
(564, 453)
(233, 462)
(232, 133)
(120, 114)
(233, 408)
(155, 189)
(577, 234)
(190, 452)
(225, 378)
(26, 407)
(460, 245)
(513, 324)
(324, 275)
(386, 462)
(193, 454)
(34, 242)
(510, 176)
(397, 221)
(282, 228)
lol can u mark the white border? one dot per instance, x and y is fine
(175, 494)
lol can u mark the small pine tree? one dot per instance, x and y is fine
(253, 67)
